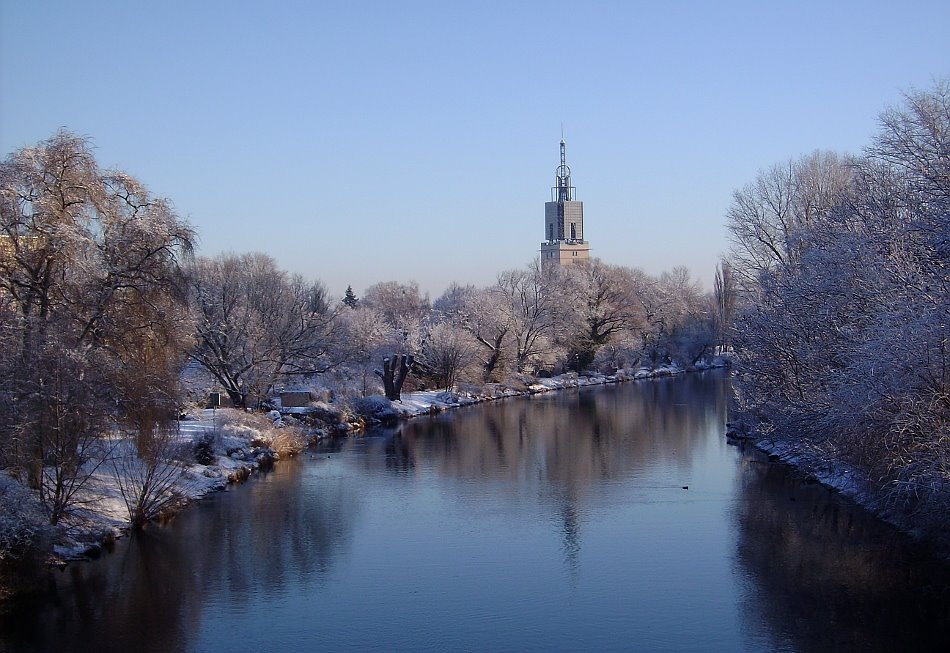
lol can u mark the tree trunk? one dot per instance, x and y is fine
(395, 370)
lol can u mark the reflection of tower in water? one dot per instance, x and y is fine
(570, 531)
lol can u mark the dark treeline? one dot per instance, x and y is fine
(842, 338)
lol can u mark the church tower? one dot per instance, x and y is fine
(563, 221)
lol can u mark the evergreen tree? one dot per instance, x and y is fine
(350, 299)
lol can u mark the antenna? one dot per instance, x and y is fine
(562, 190)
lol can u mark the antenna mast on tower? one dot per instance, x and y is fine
(562, 190)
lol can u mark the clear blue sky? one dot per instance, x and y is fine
(359, 142)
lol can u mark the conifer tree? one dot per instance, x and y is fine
(350, 299)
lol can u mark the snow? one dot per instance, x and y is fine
(427, 402)
(239, 444)
(102, 513)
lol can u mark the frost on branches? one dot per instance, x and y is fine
(844, 336)
(92, 313)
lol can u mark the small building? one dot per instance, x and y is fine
(295, 398)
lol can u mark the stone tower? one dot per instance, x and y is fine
(563, 221)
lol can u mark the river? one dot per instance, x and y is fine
(613, 518)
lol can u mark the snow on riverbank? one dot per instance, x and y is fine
(844, 479)
(427, 402)
(237, 444)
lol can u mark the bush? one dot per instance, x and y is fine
(375, 408)
(263, 430)
(25, 537)
(287, 441)
(204, 449)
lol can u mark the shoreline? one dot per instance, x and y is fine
(846, 481)
(92, 532)
(239, 461)
(430, 402)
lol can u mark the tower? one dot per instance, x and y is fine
(563, 221)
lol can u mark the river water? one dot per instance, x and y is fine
(612, 518)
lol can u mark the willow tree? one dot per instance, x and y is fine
(91, 310)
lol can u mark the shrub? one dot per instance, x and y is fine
(25, 537)
(287, 441)
(204, 449)
(375, 408)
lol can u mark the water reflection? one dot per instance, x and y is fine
(151, 593)
(572, 438)
(825, 576)
(557, 522)
(562, 448)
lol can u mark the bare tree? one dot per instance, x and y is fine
(403, 307)
(531, 307)
(767, 216)
(485, 314)
(598, 304)
(147, 474)
(255, 324)
(448, 351)
(914, 138)
(63, 424)
(395, 370)
(365, 338)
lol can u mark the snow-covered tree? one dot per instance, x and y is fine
(843, 341)
(91, 306)
(256, 325)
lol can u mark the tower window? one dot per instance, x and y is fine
(573, 231)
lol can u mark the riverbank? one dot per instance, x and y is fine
(848, 481)
(468, 508)
(216, 448)
(428, 402)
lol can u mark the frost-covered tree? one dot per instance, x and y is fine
(365, 339)
(486, 315)
(256, 325)
(449, 350)
(404, 308)
(843, 346)
(767, 216)
(597, 304)
(91, 306)
(406, 313)
(529, 300)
